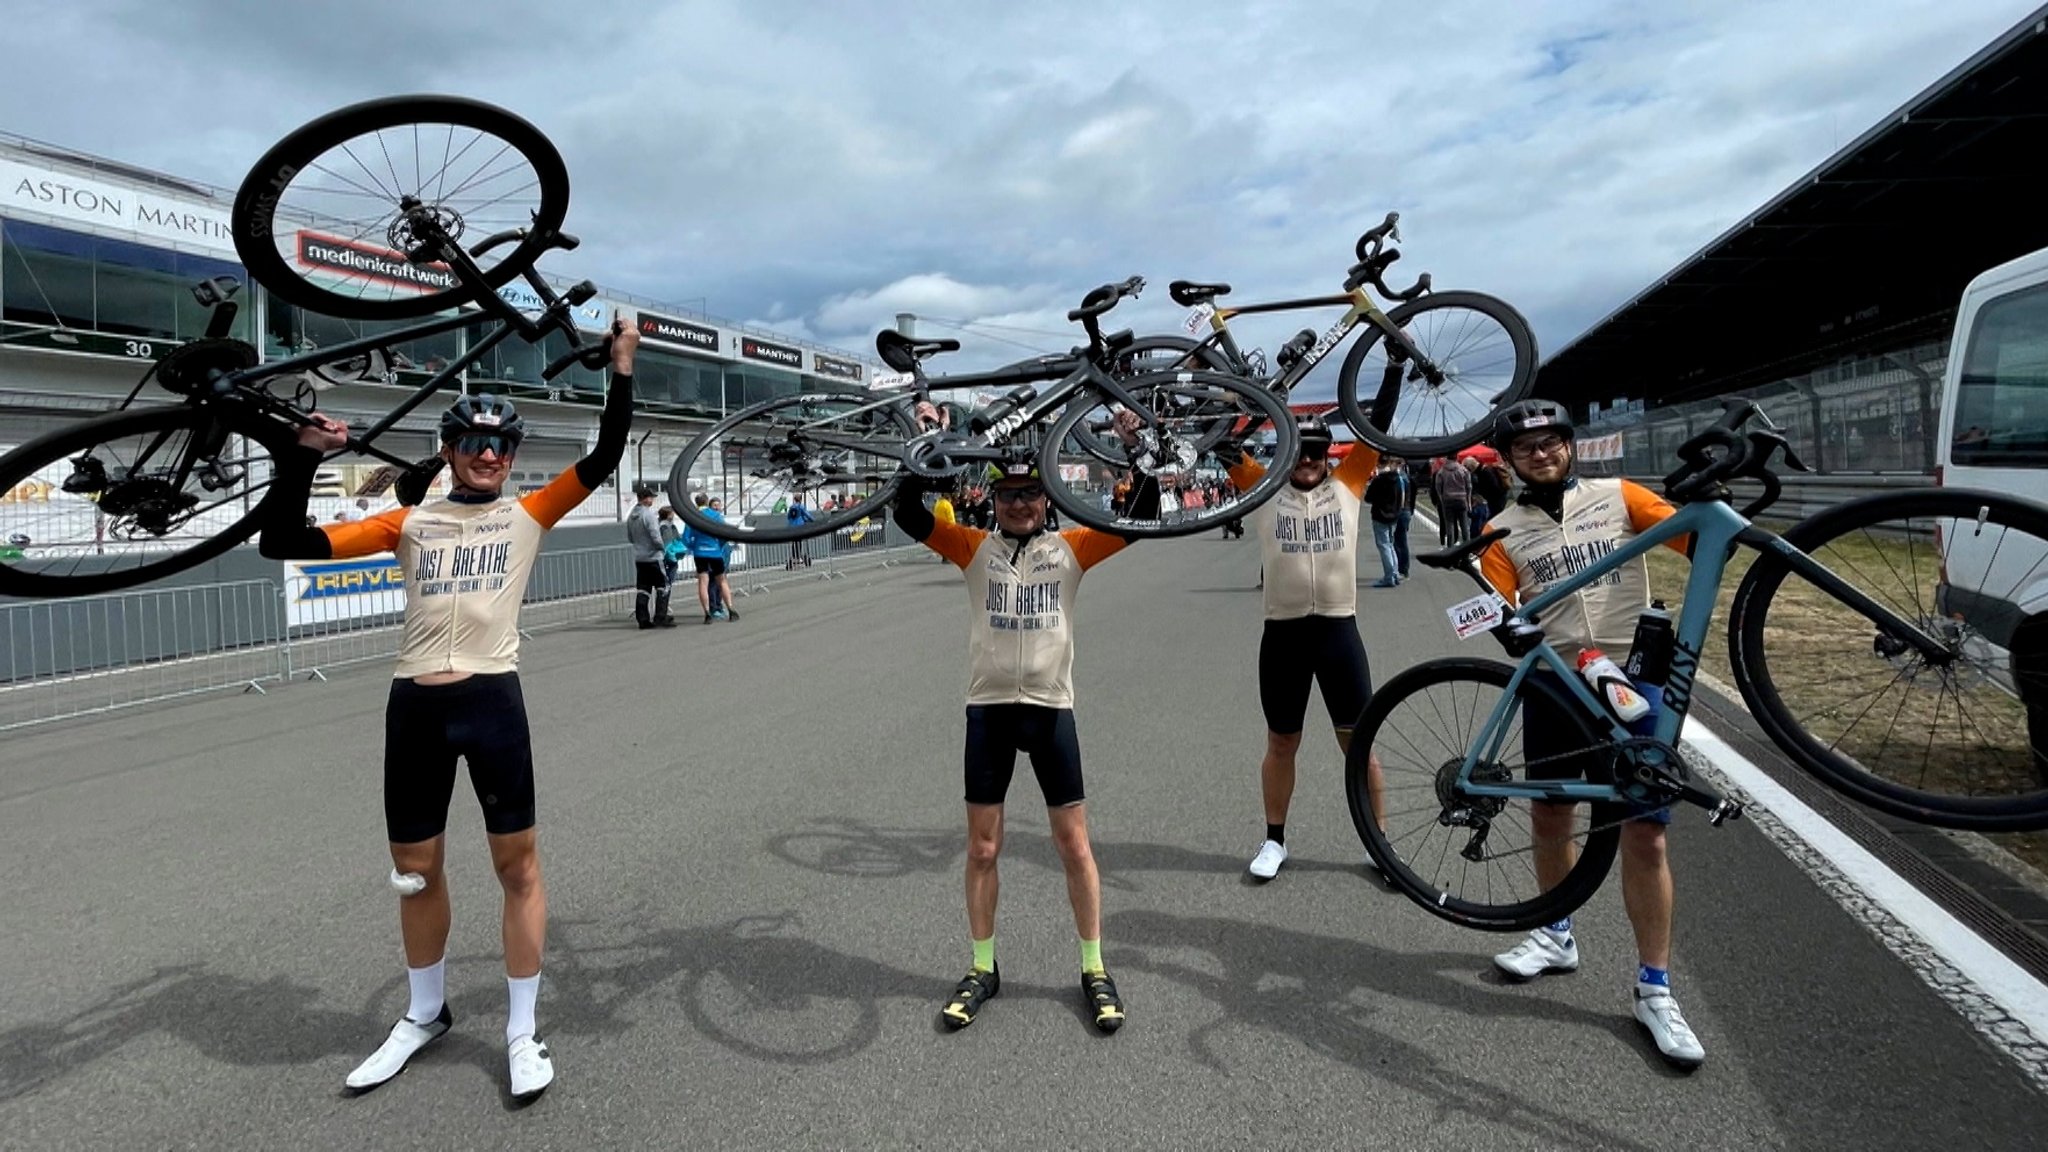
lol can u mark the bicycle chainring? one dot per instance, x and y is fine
(192, 368)
(929, 457)
(1648, 772)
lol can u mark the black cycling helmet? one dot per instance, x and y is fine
(482, 413)
(1530, 416)
(1011, 470)
(1315, 434)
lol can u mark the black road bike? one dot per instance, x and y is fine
(844, 454)
(1437, 365)
(386, 210)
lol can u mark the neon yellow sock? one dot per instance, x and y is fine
(1091, 956)
(985, 955)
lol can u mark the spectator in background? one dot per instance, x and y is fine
(1384, 494)
(650, 582)
(1453, 486)
(709, 555)
(671, 542)
(798, 515)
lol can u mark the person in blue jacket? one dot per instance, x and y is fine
(709, 555)
(799, 551)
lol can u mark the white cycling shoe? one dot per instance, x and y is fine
(1541, 953)
(405, 1041)
(1266, 865)
(533, 1069)
(1658, 1013)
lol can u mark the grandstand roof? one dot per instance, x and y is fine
(1870, 251)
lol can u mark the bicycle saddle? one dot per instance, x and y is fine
(903, 352)
(1454, 558)
(1187, 293)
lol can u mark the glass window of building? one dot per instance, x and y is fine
(289, 331)
(54, 277)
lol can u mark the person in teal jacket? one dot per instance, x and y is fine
(710, 555)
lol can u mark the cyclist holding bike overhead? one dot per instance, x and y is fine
(1021, 581)
(1559, 524)
(1308, 536)
(465, 559)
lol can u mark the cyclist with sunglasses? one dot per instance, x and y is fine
(1308, 537)
(465, 560)
(1021, 582)
(1557, 526)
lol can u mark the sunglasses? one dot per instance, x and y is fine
(1537, 446)
(474, 443)
(1314, 455)
(1019, 495)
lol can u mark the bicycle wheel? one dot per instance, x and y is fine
(321, 219)
(1144, 355)
(1477, 356)
(1178, 449)
(841, 448)
(1470, 859)
(131, 496)
(1956, 741)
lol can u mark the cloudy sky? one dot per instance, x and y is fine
(819, 167)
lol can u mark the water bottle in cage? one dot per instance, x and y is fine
(1649, 654)
(1612, 685)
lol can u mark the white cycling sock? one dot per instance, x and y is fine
(524, 990)
(429, 991)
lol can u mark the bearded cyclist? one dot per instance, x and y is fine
(1021, 582)
(465, 559)
(1557, 525)
(1308, 535)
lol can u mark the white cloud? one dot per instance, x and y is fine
(824, 167)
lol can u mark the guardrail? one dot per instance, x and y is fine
(1805, 495)
(61, 659)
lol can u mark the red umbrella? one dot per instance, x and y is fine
(1481, 453)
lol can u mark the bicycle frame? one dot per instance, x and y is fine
(1717, 529)
(1027, 406)
(1359, 307)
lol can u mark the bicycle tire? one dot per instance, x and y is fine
(1749, 616)
(1184, 353)
(57, 448)
(900, 428)
(1252, 401)
(254, 215)
(1522, 341)
(1596, 855)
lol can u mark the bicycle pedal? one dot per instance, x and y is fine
(1724, 811)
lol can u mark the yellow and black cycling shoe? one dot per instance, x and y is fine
(1100, 992)
(974, 990)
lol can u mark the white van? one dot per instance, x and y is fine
(1994, 434)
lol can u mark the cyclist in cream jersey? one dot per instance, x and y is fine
(1560, 524)
(1021, 581)
(1308, 540)
(455, 692)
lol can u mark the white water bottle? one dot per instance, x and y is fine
(1612, 685)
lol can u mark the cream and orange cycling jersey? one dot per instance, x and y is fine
(1307, 538)
(465, 567)
(1020, 598)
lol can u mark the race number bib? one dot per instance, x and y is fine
(1480, 613)
(1198, 317)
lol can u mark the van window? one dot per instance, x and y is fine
(2002, 396)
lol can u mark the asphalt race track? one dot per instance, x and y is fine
(752, 841)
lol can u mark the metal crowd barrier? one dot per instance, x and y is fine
(326, 632)
(61, 659)
(65, 658)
